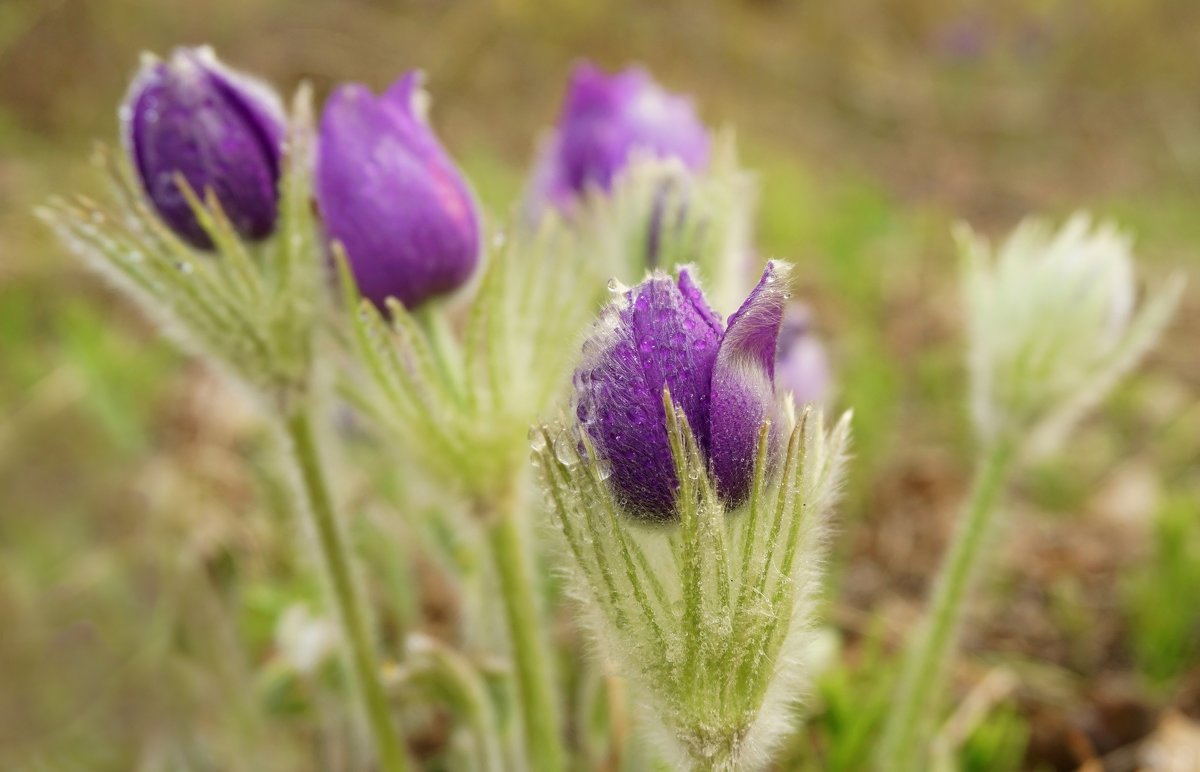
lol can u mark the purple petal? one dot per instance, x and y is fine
(220, 130)
(254, 96)
(743, 392)
(604, 120)
(664, 334)
(392, 196)
(754, 328)
(694, 295)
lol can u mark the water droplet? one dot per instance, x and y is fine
(537, 440)
(603, 469)
(563, 451)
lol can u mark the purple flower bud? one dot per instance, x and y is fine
(604, 120)
(801, 365)
(393, 197)
(665, 334)
(220, 130)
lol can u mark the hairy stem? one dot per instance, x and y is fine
(535, 685)
(917, 702)
(317, 505)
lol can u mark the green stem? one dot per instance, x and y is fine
(535, 686)
(917, 703)
(335, 557)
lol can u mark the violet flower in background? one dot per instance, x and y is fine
(392, 196)
(604, 120)
(965, 37)
(663, 333)
(801, 364)
(220, 130)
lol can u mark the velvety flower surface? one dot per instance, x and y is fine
(392, 196)
(604, 119)
(801, 364)
(663, 333)
(220, 130)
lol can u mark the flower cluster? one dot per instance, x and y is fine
(386, 190)
(691, 472)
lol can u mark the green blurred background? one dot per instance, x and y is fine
(145, 547)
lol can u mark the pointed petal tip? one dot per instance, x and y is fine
(753, 330)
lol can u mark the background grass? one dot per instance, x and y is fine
(145, 551)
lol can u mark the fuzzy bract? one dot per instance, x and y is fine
(190, 118)
(708, 617)
(392, 197)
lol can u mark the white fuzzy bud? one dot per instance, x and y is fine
(1052, 325)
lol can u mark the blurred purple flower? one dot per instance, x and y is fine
(604, 119)
(392, 196)
(964, 37)
(721, 377)
(220, 130)
(801, 365)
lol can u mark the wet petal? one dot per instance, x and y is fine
(743, 391)
(663, 334)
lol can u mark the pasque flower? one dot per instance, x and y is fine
(1053, 323)
(662, 334)
(708, 615)
(605, 120)
(392, 196)
(191, 117)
